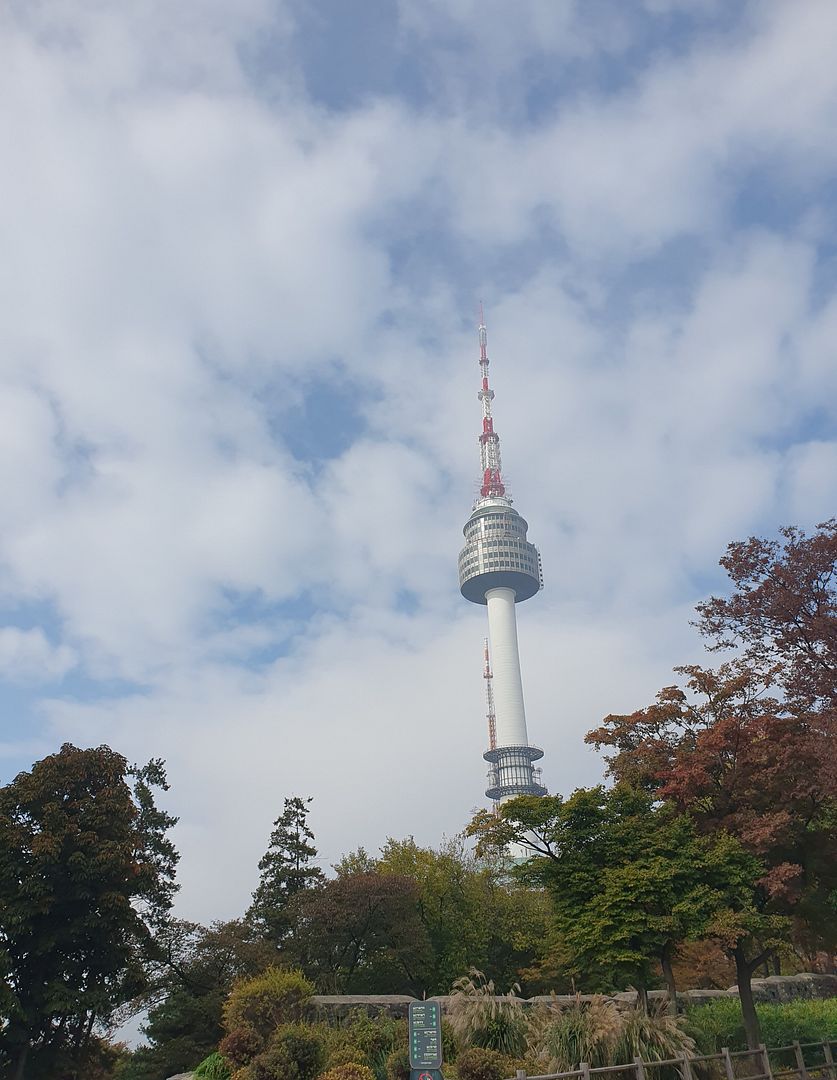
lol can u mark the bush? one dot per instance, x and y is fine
(344, 1053)
(240, 1046)
(296, 1052)
(376, 1036)
(349, 1072)
(214, 1067)
(481, 1017)
(398, 1065)
(265, 1001)
(719, 1023)
(476, 1063)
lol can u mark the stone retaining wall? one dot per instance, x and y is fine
(777, 988)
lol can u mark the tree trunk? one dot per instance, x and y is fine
(671, 984)
(642, 999)
(19, 1062)
(777, 964)
(744, 974)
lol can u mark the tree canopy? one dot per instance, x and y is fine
(86, 878)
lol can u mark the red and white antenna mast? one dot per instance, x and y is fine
(489, 698)
(492, 470)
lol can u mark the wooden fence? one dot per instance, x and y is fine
(803, 1061)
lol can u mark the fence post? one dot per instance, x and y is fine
(640, 1068)
(520, 1074)
(585, 1070)
(829, 1059)
(800, 1060)
(728, 1063)
(687, 1068)
(765, 1057)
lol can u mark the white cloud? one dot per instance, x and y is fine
(27, 655)
(194, 245)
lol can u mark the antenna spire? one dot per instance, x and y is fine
(489, 699)
(492, 485)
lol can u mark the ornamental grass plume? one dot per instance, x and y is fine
(653, 1036)
(479, 1016)
(562, 1036)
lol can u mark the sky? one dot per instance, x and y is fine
(244, 246)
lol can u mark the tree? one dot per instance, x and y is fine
(744, 762)
(287, 868)
(629, 879)
(361, 933)
(782, 613)
(195, 969)
(86, 880)
(473, 915)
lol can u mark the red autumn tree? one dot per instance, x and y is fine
(750, 747)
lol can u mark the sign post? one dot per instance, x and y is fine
(425, 1019)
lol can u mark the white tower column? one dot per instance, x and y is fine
(505, 657)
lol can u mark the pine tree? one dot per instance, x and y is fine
(286, 868)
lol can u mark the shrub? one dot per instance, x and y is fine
(477, 1063)
(450, 1043)
(349, 1072)
(479, 1016)
(398, 1065)
(564, 1036)
(296, 1052)
(214, 1067)
(240, 1046)
(265, 1001)
(376, 1036)
(344, 1053)
(719, 1023)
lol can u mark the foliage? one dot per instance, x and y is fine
(629, 878)
(343, 1053)
(295, 1052)
(241, 1045)
(473, 915)
(703, 964)
(261, 1003)
(746, 765)
(361, 933)
(720, 1023)
(193, 975)
(214, 1067)
(398, 1065)
(86, 880)
(349, 1071)
(287, 869)
(479, 1063)
(369, 1039)
(564, 1036)
(479, 1016)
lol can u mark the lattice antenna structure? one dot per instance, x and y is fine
(491, 465)
(491, 716)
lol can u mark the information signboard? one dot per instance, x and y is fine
(425, 1036)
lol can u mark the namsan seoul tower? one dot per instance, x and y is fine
(498, 567)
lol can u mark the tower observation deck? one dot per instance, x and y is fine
(499, 568)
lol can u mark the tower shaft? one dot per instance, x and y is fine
(508, 682)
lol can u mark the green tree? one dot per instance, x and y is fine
(629, 879)
(86, 880)
(743, 762)
(286, 869)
